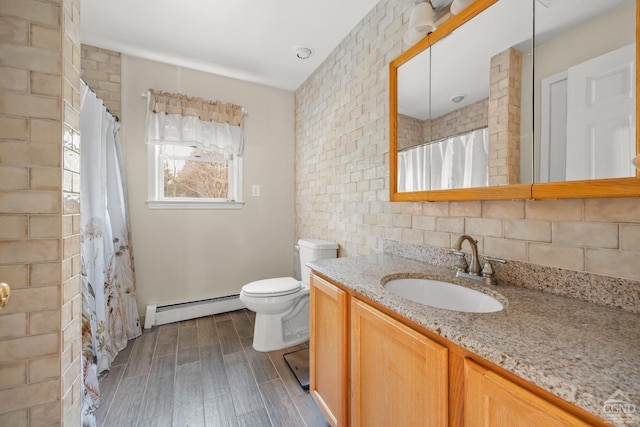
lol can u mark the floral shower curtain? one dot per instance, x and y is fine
(109, 307)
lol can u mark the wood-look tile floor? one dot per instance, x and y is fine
(204, 372)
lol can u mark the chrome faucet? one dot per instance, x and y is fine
(473, 272)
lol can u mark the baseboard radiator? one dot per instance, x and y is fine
(168, 313)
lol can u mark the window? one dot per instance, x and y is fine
(194, 150)
(188, 177)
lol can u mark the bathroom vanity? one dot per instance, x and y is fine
(379, 359)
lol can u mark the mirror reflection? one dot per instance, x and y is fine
(474, 112)
(459, 105)
(585, 83)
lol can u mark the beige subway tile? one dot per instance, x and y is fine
(411, 208)
(44, 226)
(14, 80)
(560, 256)
(483, 227)
(13, 227)
(71, 288)
(505, 248)
(45, 178)
(67, 225)
(44, 368)
(435, 209)
(42, 322)
(46, 38)
(630, 237)
(437, 238)
(424, 223)
(411, 235)
(14, 128)
(13, 375)
(19, 418)
(450, 225)
(71, 374)
(33, 202)
(44, 274)
(18, 251)
(613, 262)
(14, 178)
(29, 395)
(13, 325)
(531, 230)
(66, 269)
(14, 31)
(33, 299)
(71, 160)
(19, 153)
(30, 58)
(46, 131)
(466, 209)
(402, 221)
(71, 246)
(76, 261)
(589, 234)
(513, 209)
(612, 210)
(45, 84)
(20, 104)
(16, 349)
(555, 210)
(32, 10)
(71, 331)
(17, 276)
(47, 414)
(67, 314)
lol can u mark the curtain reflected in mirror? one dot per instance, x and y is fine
(455, 162)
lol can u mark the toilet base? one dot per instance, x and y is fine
(275, 332)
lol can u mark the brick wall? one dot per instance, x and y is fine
(101, 69)
(341, 189)
(39, 212)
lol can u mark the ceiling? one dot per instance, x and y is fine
(250, 40)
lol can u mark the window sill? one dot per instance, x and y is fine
(172, 204)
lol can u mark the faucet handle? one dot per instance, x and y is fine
(487, 269)
(462, 261)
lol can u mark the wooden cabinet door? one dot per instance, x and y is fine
(492, 400)
(398, 376)
(328, 350)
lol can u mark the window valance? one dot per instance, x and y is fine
(178, 119)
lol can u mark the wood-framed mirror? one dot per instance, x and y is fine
(453, 139)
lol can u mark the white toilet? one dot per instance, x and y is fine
(282, 304)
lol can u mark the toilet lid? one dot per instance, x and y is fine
(272, 287)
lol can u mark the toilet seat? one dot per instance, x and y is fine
(277, 287)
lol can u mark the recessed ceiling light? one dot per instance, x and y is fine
(303, 52)
(458, 98)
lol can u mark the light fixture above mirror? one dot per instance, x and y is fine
(421, 22)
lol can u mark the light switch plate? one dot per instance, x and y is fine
(255, 190)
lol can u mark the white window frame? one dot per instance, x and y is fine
(157, 200)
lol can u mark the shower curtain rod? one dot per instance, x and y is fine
(445, 138)
(105, 107)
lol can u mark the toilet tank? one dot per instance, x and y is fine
(314, 250)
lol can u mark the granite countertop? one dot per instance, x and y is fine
(578, 351)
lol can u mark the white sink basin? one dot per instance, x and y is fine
(443, 295)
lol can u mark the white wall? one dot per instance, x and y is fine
(597, 37)
(183, 255)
